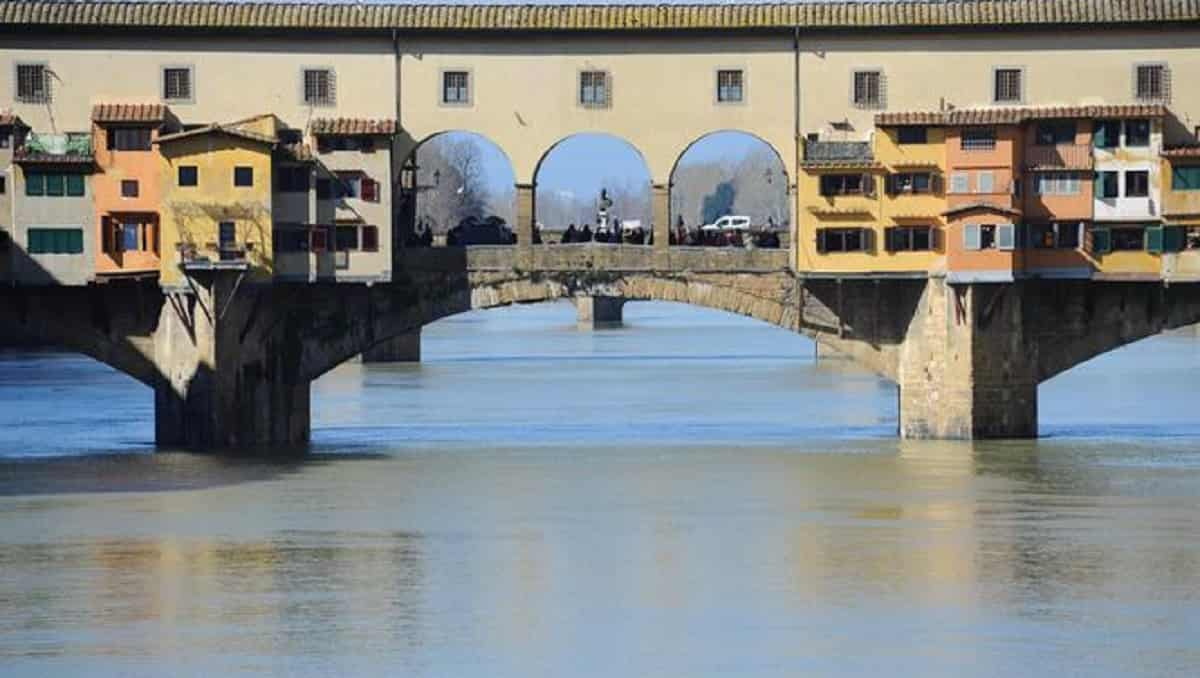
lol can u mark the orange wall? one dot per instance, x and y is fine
(960, 259)
(1001, 161)
(1060, 207)
(112, 168)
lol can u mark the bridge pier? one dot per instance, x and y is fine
(599, 312)
(968, 367)
(405, 348)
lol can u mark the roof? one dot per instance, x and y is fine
(982, 205)
(216, 128)
(295, 152)
(1190, 151)
(143, 113)
(352, 126)
(1017, 115)
(391, 14)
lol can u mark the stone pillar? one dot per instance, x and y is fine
(526, 215)
(598, 312)
(968, 366)
(404, 348)
(223, 384)
(660, 214)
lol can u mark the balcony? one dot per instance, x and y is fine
(56, 149)
(1059, 157)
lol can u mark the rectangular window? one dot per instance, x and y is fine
(227, 241)
(75, 185)
(1054, 236)
(131, 239)
(978, 139)
(319, 87)
(841, 240)
(129, 188)
(456, 87)
(1054, 133)
(346, 238)
(1056, 183)
(243, 176)
(912, 134)
(1185, 178)
(1137, 183)
(868, 89)
(1007, 86)
(349, 184)
(324, 189)
(128, 138)
(988, 236)
(292, 179)
(729, 86)
(33, 83)
(3, 184)
(911, 182)
(369, 189)
(960, 182)
(841, 184)
(177, 84)
(910, 239)
(55, 240)
(1151, 82)
(56, 185)
(985, 182)
(1107, 184)
(1137, 133)
(370, 238)
(1107, 134)
(290, 238)
(189, 175)
(593, 89)
(1128, 239)
(35, 184)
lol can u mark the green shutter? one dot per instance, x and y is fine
(1101, 241)
(1185, 178)
(35, 183)
(55, 184)
(1173, 238)
(1154, 239)
(75, 185)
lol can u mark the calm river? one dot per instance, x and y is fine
(691, 495)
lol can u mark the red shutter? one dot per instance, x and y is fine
(319, 237)
(370, 190)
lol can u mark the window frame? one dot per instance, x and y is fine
(995, 85)
(977, 145)
(1101, 177)
(126, 183)
(441, 82)
(1127, 123)
(47, 95)
(892, 234)
(328, 102)
(113, 134)
(881, 97)
(717, 73)
(902, 128)
(1164, 81)
(1196, 175)
(195, 171)
(240, 175)
(843, 232)
(162, 78)
(608, 89)
(1125, 183)
(841, 178)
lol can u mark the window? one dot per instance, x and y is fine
(327, 143)
(1107, 134)
(1151, 82)
(911, 182)
(909, 239)
(989, 236)
(243, 176)
(348, 185)
(1137, 183)
(960, 182)
(188, 175)
(978, 139)
(1053, 133)
(1182, 179)
(370, 238)
(346, 238)
(129, 188)
(985, 182)
(292, 179)
(841, 240)
(75, 185)
(55, 240)
(54, 185)
(128, 138)
(456, 87)
(843, 184)
(324, 189)
(3, 184)
(290, 238)
(1054, 236)
(227, 241)
(5, 241)
(868, 89)
(319, 87)
(33, 83)
(1006, 86)
(177, 83)
(729, 86)
(1128, 239)
(912, 134)
(593, 89)
(1137, 133)
(1056, 183)
(1107, 184)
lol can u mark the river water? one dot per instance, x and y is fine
(692, 495)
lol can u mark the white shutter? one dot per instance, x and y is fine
(959, 183)
(971, 239)
(987, 182)
(1006, 237)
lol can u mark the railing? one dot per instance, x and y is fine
(1059, 156)
(596, 257)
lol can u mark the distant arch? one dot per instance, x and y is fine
(781, 214)
(619, 166)
(425, 181)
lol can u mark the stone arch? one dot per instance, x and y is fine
(781, 163)
(539, 184)
(414, 182)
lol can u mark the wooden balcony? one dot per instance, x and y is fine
(1059, 157)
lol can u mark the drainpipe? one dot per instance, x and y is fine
(394, 179)
(794, 240)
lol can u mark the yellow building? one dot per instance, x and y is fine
(914, 195)
(1181, 212)
(216, 209)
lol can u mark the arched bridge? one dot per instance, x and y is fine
(231, 362)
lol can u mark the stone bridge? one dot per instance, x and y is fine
(231, 362)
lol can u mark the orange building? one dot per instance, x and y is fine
(127, 189)
(1058, 193)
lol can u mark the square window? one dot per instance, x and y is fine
(959, 182)
(868, 89)
(33, 83)
(729, 86)
(1151, 82)
(1107, 184)
(56, 184)
(129, 188)
(978, 139)
(1107, 134)
(913, 134)
(243, 176)
(189, 175)
(1137, 133)
(1006, 86)
(319, 86)
(1054, 133)
(593, 89)
(1137, 184)
(35, 184)
(177, 83)
(456, 88)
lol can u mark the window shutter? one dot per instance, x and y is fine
(1154, 239)
(75, 185)
(889, 239)
(971, 237)
(821, 241)
(1101, 241)
(868, 183)
(986, 182)
(1006, 236)
(868, 240)
(370, 190)
(1173, 238)
(935, 239)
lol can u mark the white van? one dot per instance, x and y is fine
(729, 223)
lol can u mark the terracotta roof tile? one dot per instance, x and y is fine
(982, 205)
(1017, 115)
(352, 126)
(229, 129)
(147, 113)
(397, 15)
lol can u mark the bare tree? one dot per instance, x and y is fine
(451, 169)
